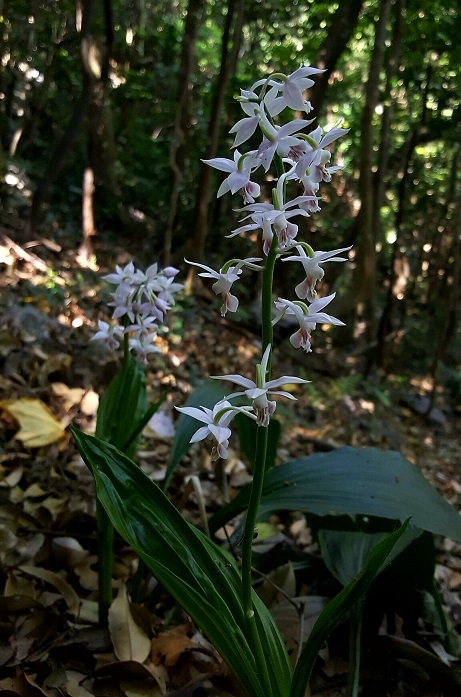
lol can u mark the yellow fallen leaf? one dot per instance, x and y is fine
(168, 646)
(71, 395)
(74, 687)
(66, 590)
(129, 640)
(37, 424)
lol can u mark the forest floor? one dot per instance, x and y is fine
(52, 376)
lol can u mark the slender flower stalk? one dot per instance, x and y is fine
(299, 159)
(140, 301)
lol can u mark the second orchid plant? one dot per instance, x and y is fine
(207, 581)
(299, 158)
(302, 159)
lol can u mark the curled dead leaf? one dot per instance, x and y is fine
(38, 425)
(169, 645)
(129, 640)
(66, 590)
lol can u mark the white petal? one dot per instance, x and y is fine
(237, 379)
(285, 380)
(221, 163)
(195, 413)
(201, 434)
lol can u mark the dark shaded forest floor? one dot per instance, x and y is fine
(50, 642)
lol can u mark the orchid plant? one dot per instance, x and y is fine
(140, 301)
(210, 584)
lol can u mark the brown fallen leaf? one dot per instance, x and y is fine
(169, 645)
(74, 687)
(129, 640)
(147, 672)
(66, 590)
(38, 425)
(23, 686)
(71, 396)
(295, 624)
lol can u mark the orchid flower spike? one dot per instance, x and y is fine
(226, 277)
(307, 318)
(312, 268)
(259, 390)
(216, 422)
(240, 170)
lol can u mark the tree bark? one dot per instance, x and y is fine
(365, 272)
(231, 37)
(65, 144)
(397, 282)
(182, 118)
(451, 299)
(103, 150)
(339, 33)
(386, 120)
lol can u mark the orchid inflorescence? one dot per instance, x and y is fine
(141, 298)
(299, 157)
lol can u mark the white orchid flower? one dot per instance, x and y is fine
(109, 333)
(313, 164)
(295, 84)
(225, 278)
(313, 270)
(251, 105)
(126, 275)
(240, 170)
(269, 219)
(279, 139)
(258, 391)
(216, 422)
(307, 318)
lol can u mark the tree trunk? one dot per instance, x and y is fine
(231, 36)
(386, 120)
(397, 282)
(85, 251)
(342, 26)
(183, 117)
(451, 300)
(102, 146)
(65, 144)
(365, 272)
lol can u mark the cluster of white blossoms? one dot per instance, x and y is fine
(302, 158)
(141, 298)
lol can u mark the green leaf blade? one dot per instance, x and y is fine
(205, 395)
(352, 481)
(123, 405)
(201, 576)
(338, 608)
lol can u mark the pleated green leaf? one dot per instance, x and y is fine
(207, 395)
(203, 578)
(338, 609)
(345, 552)
(363, 481)
(123, 405)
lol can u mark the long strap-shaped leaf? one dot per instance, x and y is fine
(201, 576)
(351, 480)
(337, 610)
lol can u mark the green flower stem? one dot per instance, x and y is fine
(258, 478)
(106, 536)
(105, 562)
(355, 634)
(250, 522)
(266, 302)
(137, 580)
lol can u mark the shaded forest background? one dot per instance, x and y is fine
(107, 108)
